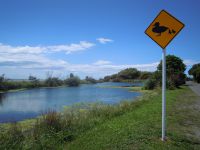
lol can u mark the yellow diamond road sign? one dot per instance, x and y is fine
(164, 28)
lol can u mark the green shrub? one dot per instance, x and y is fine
(90, 80)
(145, 75)
(51, 120)
(53, 82)
(73, 81)
(174, 70)
(195, 72)
(150, 84)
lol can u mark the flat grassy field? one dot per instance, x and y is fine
(141, 127)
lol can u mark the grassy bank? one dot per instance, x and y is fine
(129, 125)
(141, 127)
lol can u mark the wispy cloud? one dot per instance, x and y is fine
(190, 62)
(67, 48)
(83, 45)
(102, 62)
(27, 59)
(22, 49)
(27, 63)
(104, 40)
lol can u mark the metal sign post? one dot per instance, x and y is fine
(163, 30)
(163, 94)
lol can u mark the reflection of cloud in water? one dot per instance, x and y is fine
(23, 106)
(23, 102)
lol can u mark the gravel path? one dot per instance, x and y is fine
(195, 128)
(194, 86)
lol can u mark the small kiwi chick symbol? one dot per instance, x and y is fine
(160, 29)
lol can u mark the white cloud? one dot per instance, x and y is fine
(67, 48)
(104, 40)
(30, 59)
(27, 63)
(23, 60)
(102, 62)
(21, 49)
(83, 45)
(190, 62)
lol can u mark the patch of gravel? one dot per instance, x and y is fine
(194, 87)
(196, 106)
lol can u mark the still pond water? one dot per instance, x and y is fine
(21, 105)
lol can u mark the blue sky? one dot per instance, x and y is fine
(90, 37)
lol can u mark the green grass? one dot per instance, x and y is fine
(129, 125)
(141, 127)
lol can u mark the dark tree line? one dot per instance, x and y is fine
(34, 82)
(50, 81)
(195, 72)
(128, 74)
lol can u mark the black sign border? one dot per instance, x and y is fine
(173, 37)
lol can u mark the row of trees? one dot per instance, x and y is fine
(195, 72)
(50, 81)
(175, 69)
(128, 74)
(175, 73)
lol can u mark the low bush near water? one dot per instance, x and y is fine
(150, 84)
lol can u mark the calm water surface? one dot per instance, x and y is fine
(16, 106)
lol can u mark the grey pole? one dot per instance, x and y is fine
(163, 94)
